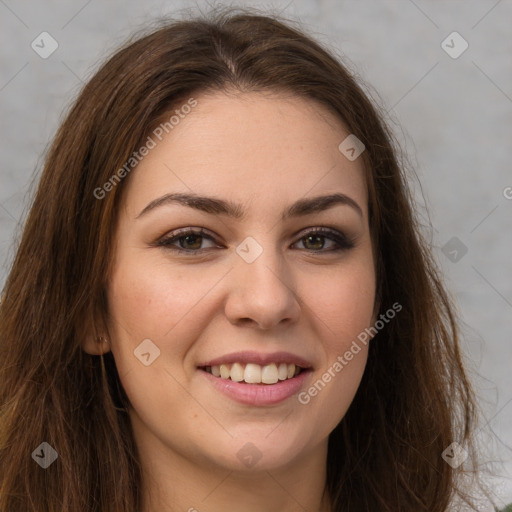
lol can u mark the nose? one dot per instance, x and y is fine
(262, 293)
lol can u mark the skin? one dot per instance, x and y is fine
(264, 152)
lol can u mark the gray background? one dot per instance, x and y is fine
(453, 117)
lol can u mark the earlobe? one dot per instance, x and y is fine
(96, 345)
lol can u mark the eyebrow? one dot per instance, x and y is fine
(216, 206)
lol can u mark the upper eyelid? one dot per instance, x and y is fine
(181, 232)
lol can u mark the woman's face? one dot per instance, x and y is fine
(258, 290)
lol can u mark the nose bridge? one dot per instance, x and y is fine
(263, 289)
(261, 264)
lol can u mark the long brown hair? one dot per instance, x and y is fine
(414, 399)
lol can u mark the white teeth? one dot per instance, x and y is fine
(224, 371)
(252, 373)
(269, 374)
(237, 372)
(283, 371)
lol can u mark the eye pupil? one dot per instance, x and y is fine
(196, 237)
(318, 238)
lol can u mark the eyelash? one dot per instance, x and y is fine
(344, 243)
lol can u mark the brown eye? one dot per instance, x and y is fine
(191, 241)
(187, 241)
(314, 241)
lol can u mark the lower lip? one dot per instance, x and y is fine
(258, 394)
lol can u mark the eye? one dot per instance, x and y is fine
(315, 239)
(189, 240)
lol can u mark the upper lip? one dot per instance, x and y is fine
(258, 358)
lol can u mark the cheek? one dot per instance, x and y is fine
(342, 308)
(151, 300)
(330, 395)
(342, 300)
(148, 300)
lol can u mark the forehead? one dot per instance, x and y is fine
(249, 147)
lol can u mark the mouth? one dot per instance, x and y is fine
(252, 373)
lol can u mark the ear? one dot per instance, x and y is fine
(94, 341)
(95, 345)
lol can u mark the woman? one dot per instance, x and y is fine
(222, 295)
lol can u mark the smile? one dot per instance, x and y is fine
(252, 373)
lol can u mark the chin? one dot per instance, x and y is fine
(259, 451)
